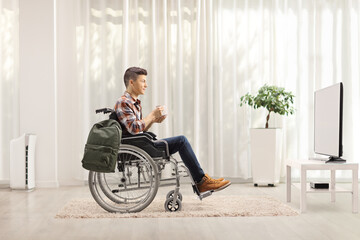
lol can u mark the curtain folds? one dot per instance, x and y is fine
(202, 56)
(9, 45)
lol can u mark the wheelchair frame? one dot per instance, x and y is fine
(139, 164)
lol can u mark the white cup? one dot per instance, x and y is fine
(164, 111)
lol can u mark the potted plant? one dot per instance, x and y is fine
(266, 145)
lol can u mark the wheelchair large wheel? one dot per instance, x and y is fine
(133, 185)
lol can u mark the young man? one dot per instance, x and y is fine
(129, 111)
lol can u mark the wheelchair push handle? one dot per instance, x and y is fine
(104, 110)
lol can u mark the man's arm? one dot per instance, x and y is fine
(149, 120)
(129, 120)
(156, 120)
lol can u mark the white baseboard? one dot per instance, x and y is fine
(5, 183)
(72, 182)
(38, 184)
(46, 184)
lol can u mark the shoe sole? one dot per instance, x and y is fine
(223, 187)
(216, 190)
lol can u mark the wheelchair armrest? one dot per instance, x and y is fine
(151, 134)
(137, 136)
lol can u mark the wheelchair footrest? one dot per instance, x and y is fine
(205, 194)
(181, 173)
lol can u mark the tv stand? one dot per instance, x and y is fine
(305, 165)
(335, 160)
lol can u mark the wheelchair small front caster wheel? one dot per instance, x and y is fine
(171, 195)
(169, 207)
(255, 184)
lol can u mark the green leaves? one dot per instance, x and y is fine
(274, 99)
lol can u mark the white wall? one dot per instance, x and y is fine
(37, 85)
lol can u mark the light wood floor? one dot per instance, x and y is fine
(30, 215)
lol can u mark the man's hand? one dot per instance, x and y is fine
(157, 112)
(160, 119)
(162, 114)
(154, 116)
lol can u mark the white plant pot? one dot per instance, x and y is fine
(266, 149)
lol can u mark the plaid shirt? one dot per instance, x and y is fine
(128, 110)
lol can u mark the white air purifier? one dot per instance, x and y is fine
(22, 162)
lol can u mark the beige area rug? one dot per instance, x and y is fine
(213, 206)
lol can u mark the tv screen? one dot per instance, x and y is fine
(328, 111)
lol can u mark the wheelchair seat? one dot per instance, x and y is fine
(142, 141)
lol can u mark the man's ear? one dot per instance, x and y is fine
(131, 82)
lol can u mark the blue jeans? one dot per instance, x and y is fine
(181, 144)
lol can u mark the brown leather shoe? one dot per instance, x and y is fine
(208, 184)
(218, 179)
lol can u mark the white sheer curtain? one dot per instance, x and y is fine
(203, 55)
(9, 20)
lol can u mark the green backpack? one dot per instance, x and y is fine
(102, 146)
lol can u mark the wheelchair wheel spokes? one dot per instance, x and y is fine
(126, 187)
(132, 186)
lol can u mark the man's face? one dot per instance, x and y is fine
(139, 86)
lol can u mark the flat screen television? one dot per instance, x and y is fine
(328, 122)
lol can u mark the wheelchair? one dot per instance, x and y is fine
(137, 177)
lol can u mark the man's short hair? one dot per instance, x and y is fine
(133, 73)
